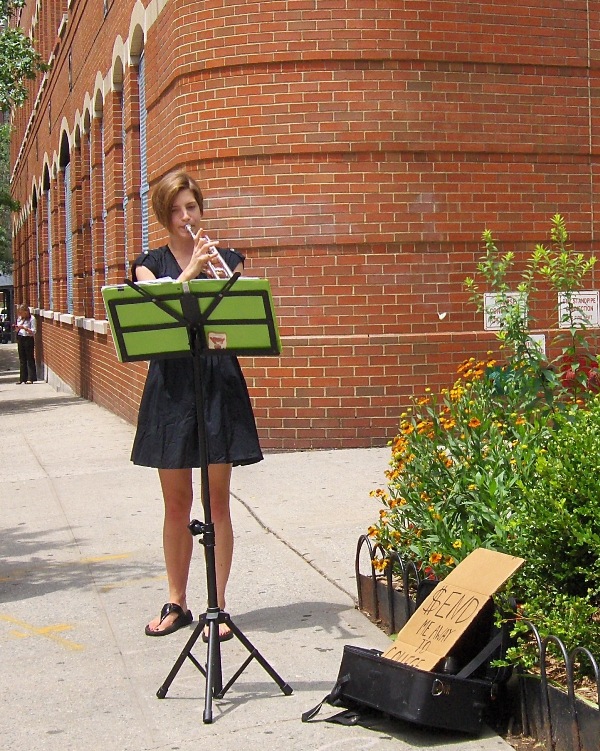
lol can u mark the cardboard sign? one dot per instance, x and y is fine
(445, 614)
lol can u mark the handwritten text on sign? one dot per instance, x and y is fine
(436, 626)
(440, 621)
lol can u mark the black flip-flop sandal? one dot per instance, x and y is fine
(183, 619)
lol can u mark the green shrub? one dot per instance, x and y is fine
(509, 458)
(555, 524)
(458, 467)
(555, 527)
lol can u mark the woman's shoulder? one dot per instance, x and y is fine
(156, 260)
(155, 252)
(232, 257)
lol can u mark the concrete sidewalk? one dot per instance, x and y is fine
(81, 573)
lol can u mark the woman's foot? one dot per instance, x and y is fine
(225, 633)
(172, 617)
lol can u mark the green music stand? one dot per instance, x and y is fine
(162, 319)
(147, 319)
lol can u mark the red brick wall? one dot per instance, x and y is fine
(355, 152)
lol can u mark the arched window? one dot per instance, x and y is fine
(92, 301)
(37, 249)
(104, 211)
(48, 204)
(144, 188)
(124, 173)
(69, 236)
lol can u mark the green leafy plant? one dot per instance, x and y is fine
(508, 458)
(555, 527)
(456, 470)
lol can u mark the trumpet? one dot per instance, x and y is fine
(222, 269)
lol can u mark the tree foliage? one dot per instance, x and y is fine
(7, 203)
(19, 62)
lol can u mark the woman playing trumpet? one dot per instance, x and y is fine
(167, 430)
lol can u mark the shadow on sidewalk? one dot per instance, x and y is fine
(28, 571)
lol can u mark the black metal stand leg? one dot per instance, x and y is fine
(214, 615)
(212, 670)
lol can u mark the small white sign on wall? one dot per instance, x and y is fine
(585, 309)
(493, 305)
(538, 342)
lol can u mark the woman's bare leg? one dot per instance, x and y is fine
(219, 477)
(177, 539)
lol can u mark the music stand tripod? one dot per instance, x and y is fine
(195, 320)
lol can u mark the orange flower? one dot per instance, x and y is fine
(380, 564)
(435, 558)
(474, 422)
(424, 427)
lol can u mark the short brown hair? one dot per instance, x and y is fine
(167, 189)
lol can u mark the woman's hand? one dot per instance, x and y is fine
(203, 253)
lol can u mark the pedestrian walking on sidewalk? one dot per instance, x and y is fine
(167, 429)
(26, 328)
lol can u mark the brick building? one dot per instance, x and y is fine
(355, 151)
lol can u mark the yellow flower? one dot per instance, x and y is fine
(457, 544)
(380, 564)
(424, 426)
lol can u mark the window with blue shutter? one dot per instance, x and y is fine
(124, 163)
(38, 271)
(144, 188)
(104, 211)
(68, 238)
(48, 199)
(91, 226)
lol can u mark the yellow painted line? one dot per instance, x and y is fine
(48, 632)
(102, 558)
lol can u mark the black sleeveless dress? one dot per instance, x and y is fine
(167, 428)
